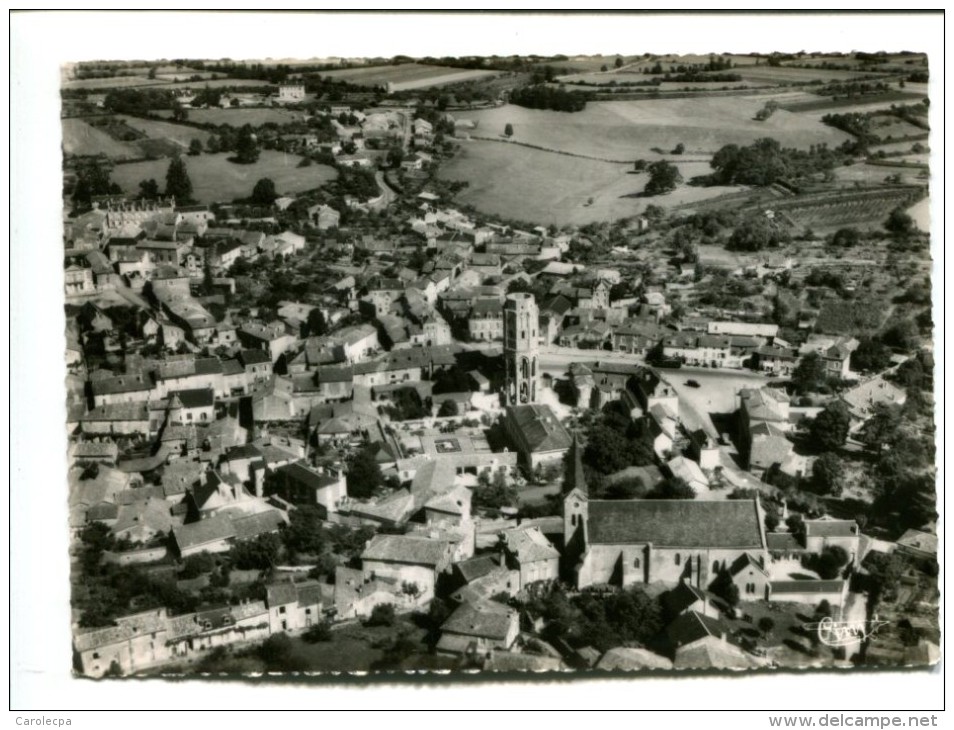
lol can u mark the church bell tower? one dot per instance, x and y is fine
(521, 322)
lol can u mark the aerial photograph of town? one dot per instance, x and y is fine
(497, 363)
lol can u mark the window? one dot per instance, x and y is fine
(715, 567)
(636, 563)
(95, 655)
(678, 558)
(281, 610)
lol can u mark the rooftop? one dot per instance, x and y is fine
(540, 427)
(487, 619)
(676, 523)
(406, 549)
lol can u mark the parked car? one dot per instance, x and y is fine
(693, 383)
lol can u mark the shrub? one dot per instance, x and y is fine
(382, 615)
(318, 632)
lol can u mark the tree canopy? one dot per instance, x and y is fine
(765, 161)
(364, 474)
(829, 430)
(870, 355)
(809, 375)
(541, 96)
(92, 179)
(264, 192)
(755, 233)
(899, 223)
(663, 178)
(448, 408)
(828, 474)
(178, 183)
(246, 147)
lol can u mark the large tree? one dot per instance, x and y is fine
(870, 355)
(316, 324)
(264, 192)
(755, 233)
(364, 474)
(899, 223)
(829, 430)
(663, 178)
(148, 189)
(92, 179)
(846, 237)
(828, 474)
(178, 183)
(809, 375)
(882, 426)
(673, 488)
(246, 148)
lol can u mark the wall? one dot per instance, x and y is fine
(149, 555)
(539, 570)
(131, 655)
(423, 576)
(835, 598)
(815, 544)
(632, 564)
(126, 428)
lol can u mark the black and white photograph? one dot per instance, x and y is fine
(501, 364)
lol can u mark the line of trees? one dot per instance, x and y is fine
(546, 97)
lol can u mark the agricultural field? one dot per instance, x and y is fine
(79, 138)
(826, 104)
(603, 82)
(765, 74)
(862, 209)
(239, 116)
(185, 75)
(628, 130)
(118, 82)
(585, 64)
(177, 133)
(866, 173)
(221, 83)
(406, 76)
(905, 147)
(544, 187)
(894, 61)
(696, 58)
(156, 139)
(819, 106)
(214, 178)
(123, 82)
(888, 126)
(852, 318)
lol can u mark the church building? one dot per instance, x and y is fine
(631, 541)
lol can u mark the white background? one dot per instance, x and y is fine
(41, 683)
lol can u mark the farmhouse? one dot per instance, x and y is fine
(477, 629)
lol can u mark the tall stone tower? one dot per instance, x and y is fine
(521, 322)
